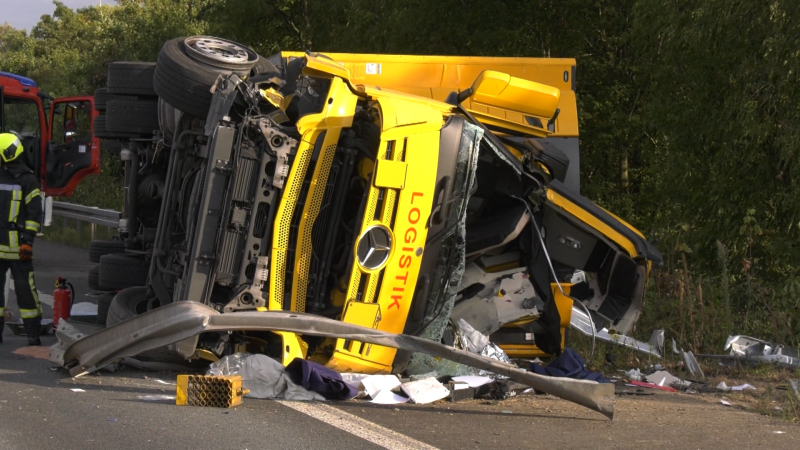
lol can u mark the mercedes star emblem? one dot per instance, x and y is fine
(373, 247)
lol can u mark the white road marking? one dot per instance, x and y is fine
(47, 299)
(357, 426)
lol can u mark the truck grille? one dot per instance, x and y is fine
(381, 207)
(283, 222)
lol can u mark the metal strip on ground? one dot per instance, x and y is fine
(357, 426)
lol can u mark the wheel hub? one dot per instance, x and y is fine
(215, 50)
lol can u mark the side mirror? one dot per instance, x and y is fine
(501, 90)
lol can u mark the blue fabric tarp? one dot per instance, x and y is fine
(569, 365)
(318, 378)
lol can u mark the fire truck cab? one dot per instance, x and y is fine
(56, 133)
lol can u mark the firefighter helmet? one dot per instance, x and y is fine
(10, 147)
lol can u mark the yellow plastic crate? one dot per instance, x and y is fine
(204, 390)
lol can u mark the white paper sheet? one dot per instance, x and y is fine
(426, 390)
(376, 383)
(388, 398)
(473, 381)
(742, 387)
(83, 309)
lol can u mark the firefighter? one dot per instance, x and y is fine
(20, 216)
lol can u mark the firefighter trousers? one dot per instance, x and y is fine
(24, 288)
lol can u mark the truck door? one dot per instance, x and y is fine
(73, 152)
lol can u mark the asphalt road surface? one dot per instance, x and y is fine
(41, 407)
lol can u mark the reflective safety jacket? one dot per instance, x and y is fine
(20, 208)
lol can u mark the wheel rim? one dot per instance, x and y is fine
(213, 50)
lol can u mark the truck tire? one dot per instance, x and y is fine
(103, 305)
(131, 78)
(132, 116)
(183, 78)
(94, 279)
(168, 117)
(120, 271)
(102, 97)
(99, 130)
(129, 303)
(98, 248)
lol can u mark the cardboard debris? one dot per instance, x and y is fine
(664, 378)
(473, 381)
(426, 390)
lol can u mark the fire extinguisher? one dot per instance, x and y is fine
(62, 301)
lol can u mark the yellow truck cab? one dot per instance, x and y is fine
(541, 121)
(412, 195)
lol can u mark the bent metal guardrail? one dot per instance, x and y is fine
(97, 216)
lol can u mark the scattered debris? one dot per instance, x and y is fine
(569, 365)
(756, 351)
(653, 386)
(388, 398)
(664, 378)
(634, 375)
(691, 365)
(375, 384)
(473, 381)
(83, 309)
(620, 390)
(77, 390)
(743, 387)
(583, 323)
(426, 390)
(156, 397)
(152, 330)
(469, 338)
(725, 403)
(263, 376)
(460, 391)
(318, 378)
(779, 432)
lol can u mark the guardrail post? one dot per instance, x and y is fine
(94, 228)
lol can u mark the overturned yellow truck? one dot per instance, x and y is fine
(388, 192)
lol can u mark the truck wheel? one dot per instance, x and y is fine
(102, 97)
(94, 279)
(187, 68)
(132, 78)
(99, 130)
(98, 248)
(120, 271)
(132, 116)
